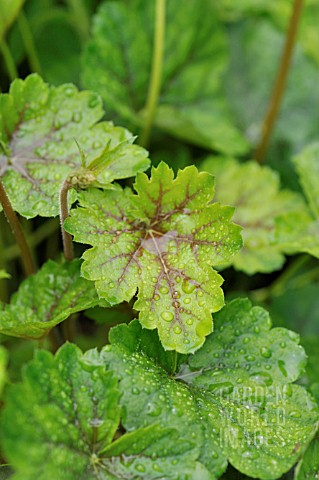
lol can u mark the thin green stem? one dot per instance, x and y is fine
(17, 231)
(280, 83)
(64, 213)
(81, 18)
(8, 60)
(27, 39)
(156, 72)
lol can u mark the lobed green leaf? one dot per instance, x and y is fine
(255, 193)
(162, 241)
(39, 127)
(63, 421)
(256, 424)
(46, 299)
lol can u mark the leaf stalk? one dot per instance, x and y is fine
(156, 72)
(280, 83)
(8, 60)
(17, 231)
(27, 38)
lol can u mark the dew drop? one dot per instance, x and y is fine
(140, 468)
(167, 316)
(188, 287)
(94, 101)
(69, 91)
(265, 352)
(163, 290)
(177, 329)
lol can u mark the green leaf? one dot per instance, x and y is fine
(256, 46)
(246, 351)
(9, 10)
(38, 128)
(163, 242)
(298, 231)
(308, 467)
(255, 193)
(117, 64)
(248, 413)
(307, 166)
(46, 299)
(60, 423)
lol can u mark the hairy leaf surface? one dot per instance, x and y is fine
(117, 64)
(255, 193)
(63, 422)
(46, 299)
(162, 241)
(248, 413)
(38, 128)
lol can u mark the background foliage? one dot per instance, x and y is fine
(91, 62)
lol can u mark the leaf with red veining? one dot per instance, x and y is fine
(162, 242)
(38, 128)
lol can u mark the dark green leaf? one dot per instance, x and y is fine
(46, 299)
(255, 422)
(117, 64)
(60, 423)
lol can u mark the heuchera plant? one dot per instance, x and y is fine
(176, 383)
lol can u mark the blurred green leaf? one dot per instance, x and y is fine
(255, 193)
(117, 64)
(256, 46)
(298, 230)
